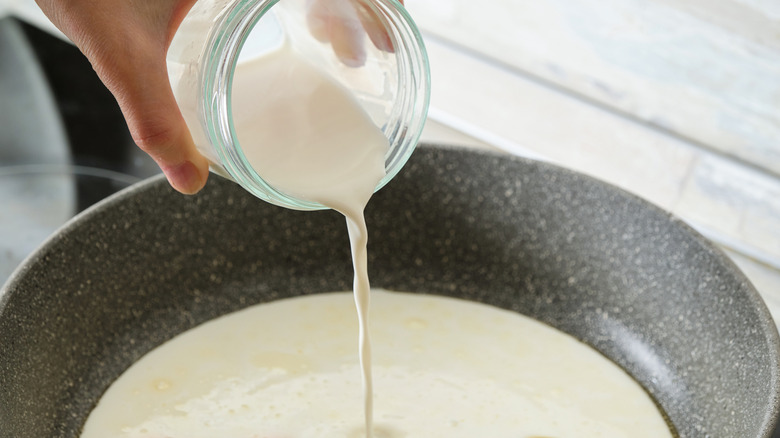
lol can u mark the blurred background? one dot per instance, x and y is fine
(677, 101)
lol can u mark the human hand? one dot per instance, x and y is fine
(343, 23)
(126, 41)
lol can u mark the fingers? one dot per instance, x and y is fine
(343, 23)
(337, 22)
(318, 20)
(376, 30)
(140, 83)
(159, 130)
(346, 33)
(138, 78)
(126, 42)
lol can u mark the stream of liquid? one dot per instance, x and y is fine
(282, 370)
(308, 137)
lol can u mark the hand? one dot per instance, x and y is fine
(343, 23)
(127, 41)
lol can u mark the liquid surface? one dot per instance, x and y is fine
(443, 368)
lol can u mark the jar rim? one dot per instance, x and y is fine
(232, 28)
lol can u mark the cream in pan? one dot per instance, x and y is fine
(443, 367)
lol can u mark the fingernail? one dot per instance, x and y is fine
(353, 60)
(185, 178)
(385, 43)
(375, 29)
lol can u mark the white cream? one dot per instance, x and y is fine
(305, 134)
(444, 368)
(302, 132)
(308, 137)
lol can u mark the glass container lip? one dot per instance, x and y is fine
(221, 59)
(423, 82)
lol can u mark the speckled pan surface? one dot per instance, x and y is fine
(578, 254)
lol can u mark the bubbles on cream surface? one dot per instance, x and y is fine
(443, 368)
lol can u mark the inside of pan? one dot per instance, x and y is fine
(581, 256)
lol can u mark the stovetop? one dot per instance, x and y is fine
(63, 142)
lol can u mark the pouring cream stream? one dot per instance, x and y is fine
(448, 369)
(308, 137)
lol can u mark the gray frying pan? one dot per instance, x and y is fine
(612, 270)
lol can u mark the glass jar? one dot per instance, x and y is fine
(392, 86)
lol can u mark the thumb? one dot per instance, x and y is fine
(126, 42)
(156, 124)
